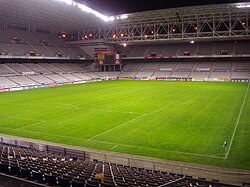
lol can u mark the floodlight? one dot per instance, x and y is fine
(124, 16)
(92, 11)
(245, 5)
(86, 9)
(112, 18)
(68, 2)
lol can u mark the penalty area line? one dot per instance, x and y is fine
(123, 124)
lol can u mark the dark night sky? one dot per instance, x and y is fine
(116, 7)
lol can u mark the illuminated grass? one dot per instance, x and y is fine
(170, 120)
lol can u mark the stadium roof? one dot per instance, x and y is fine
(47, 14)
(179, 13)
(63, 15)
(115, 7)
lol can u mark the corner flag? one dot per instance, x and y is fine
(225, 143)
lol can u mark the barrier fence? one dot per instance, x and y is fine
(73, 153)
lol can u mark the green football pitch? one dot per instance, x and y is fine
(183, 121)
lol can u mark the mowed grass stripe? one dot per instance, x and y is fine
(182, 121)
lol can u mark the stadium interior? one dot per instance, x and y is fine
(54, 43)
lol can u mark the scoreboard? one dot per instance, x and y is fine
(108, 58)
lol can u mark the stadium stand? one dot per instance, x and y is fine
(56, 170)
(5, 70)
(22, 80)
(22, 43)
(14, 74)
(179, 49)
(19, 68)
(242, 47)
(40, 79)
(240, 70)
(4, 82)
(206, 59)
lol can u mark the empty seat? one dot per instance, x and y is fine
(25, 173)
(92, 183)
(38, 176)
(78, 183)
(4, 167)
(50, 179)
(64, 182)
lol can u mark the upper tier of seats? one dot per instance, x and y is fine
(59, 170)
(22, 43)
(198, 48)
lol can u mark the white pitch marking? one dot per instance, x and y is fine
(114, 147)
(113, 111)
(60, 105)
(26, 119)
(122, 145)
(117, 126)
(31, 125)
(237, 123)
(245, 132)
(73, 106)
(156, 149)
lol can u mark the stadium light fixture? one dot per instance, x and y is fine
(192, 41)
(124, 17)
(124, 45)
(87, 9)
(112, 18)
(68, 2)
(244, 5)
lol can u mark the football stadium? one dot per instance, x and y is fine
(149, 98)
